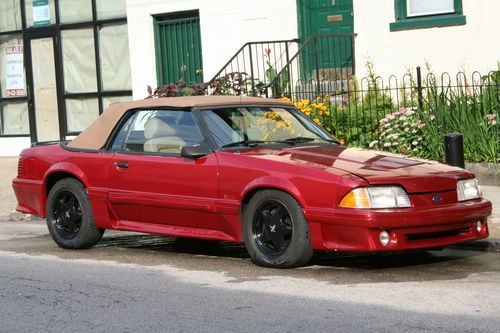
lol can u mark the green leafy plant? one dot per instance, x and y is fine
(236, 83)
(181, 88)
(279, 84)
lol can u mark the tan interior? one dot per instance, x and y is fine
(161, 137)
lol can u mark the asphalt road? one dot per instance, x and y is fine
(135, 283)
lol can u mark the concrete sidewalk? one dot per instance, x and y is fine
(8, 170)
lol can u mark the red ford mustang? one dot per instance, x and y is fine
(243, 169)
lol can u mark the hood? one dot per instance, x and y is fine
(415, 175)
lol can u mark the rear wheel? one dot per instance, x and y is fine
(69, 216)
(275, 230)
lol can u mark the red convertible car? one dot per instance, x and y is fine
(243, 169)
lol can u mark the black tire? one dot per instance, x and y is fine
(275, 230)
(69, 216)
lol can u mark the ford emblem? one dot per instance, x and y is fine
(437, 199)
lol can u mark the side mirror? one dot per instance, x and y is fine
(195, 151)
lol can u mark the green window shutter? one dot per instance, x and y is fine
(178, 48)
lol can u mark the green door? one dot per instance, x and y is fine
(178, 48)
(327, 17)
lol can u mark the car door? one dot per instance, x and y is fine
(151, 185)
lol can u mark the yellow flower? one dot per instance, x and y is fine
(284, 98)
(342, 142)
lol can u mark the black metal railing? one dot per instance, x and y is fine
(287, 68)
(323, 64)
(252, 67)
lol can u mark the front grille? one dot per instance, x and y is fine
(437, 234)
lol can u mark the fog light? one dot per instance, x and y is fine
(384, 238)
(479, 226)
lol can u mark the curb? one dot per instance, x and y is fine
(20, 217)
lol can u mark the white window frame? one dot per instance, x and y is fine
(408, 14)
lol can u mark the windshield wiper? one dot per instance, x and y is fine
(303, 139)
(243, 143)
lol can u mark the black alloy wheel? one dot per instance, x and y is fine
(272, 228)
(275, 230)
(69, 216)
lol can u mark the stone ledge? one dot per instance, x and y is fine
(486, 173)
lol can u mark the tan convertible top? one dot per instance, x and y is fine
(95, 136)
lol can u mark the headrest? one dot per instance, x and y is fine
(155, 128)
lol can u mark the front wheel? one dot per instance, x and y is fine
(69, 216)
(275, 230)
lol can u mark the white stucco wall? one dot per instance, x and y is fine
(225, 26)
(470, 47)
(12, 146)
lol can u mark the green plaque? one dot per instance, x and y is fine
(41, 13)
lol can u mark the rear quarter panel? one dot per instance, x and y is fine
(42, 166)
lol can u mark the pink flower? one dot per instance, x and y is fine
(491, 116)
(492, 122)
(373, 143)
(387, 144)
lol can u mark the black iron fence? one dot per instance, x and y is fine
(408, 115)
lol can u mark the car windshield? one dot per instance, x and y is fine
(247, 126)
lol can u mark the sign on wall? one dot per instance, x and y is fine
(14, 70)
(41, 13)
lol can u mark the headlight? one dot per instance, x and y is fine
(376, 197)
(468, 189)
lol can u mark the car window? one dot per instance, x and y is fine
(157, 131)
(231, 125)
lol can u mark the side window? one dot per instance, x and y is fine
(222, 127)
(158, 131)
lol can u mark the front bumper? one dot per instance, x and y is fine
(358, 230)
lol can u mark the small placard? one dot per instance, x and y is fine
(334, 18)
(14, 71)
(41, 13)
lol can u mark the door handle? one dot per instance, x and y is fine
(123, 165)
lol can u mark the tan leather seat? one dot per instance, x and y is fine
(161, 137)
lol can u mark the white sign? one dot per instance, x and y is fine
(41, 13)
(14, 70)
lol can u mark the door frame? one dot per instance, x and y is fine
(39, 33)
(304, 18)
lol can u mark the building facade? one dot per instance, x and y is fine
(63, 61)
